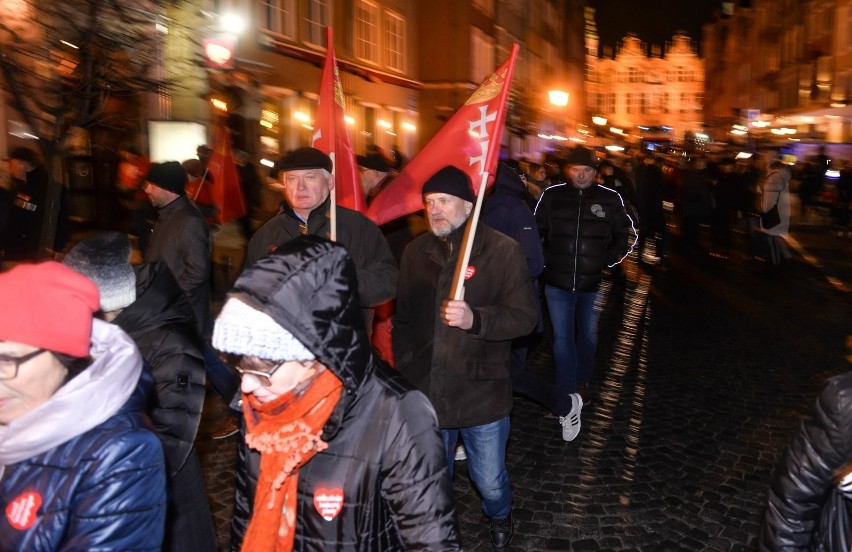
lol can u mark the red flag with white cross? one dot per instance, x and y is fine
(470, 140)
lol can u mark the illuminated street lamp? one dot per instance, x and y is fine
(558, 98)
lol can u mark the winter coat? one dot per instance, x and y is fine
(583, 231)
(819, 453)
(161, 323)
(29, 200)
(181, 239)
(776, 187)
(373, 259)
(697, 195)
(465, 373)
(85, 471)
(385, 457)
(505, 211)
(651, 192)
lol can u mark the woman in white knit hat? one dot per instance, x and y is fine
(349, 453)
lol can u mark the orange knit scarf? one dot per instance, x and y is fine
(287, 433)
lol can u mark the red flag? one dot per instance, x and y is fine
(227, 191)
(470, 140)
(332, 136)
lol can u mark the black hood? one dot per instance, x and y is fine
(508, 181)
(309, 287)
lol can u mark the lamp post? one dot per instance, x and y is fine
(559, 98)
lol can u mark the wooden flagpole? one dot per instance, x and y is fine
(457, 287)
(333, 212)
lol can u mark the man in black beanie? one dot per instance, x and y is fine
(585, 228)
(180, 238)
(458, 352)
(306, 180)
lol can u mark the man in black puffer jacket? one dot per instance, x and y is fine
(350, 457)
(810, 499)
(585, 228)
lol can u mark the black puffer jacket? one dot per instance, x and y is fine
(161, 323)
(804, 485)
(584, 231)
(385, 455)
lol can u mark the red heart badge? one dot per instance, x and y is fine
(23, 510)
(468, 274)
(328, 502)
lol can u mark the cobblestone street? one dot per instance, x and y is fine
(703, 373)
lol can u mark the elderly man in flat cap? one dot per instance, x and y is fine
(305, 175)
(458, 353)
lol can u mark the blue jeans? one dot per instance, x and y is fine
(486, 462)
(224, 378)
(575, 335)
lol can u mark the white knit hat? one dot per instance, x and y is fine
(105, 259)
(243, 330)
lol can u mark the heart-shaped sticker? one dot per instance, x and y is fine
(328, 502)
(23, 510)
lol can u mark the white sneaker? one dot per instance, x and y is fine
(571, 422)
(461, 455)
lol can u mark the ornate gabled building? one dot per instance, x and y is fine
(645, 87)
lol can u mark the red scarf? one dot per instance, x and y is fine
(287, 433)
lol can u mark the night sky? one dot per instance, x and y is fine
(654, 21)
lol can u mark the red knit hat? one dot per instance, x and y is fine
(48, 305)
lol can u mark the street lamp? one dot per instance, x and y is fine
(559, 98)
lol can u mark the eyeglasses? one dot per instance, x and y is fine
(9, 364)
(261, 369)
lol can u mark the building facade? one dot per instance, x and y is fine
(641, 88)
(781, 70)
(406, 66)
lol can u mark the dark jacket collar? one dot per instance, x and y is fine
(173, 207)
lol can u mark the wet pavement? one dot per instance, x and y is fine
(704, 369)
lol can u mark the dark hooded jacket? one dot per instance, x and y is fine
(806, 509)
(384, 452)
(161, 323)
(505, 210)
(583, 231)
(465, 373)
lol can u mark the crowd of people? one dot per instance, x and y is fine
(354, 367)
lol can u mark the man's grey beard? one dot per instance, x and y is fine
(442, 233)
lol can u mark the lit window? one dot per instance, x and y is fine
(482, 58)
(278, 16)
(317, 18)
(367, 31)
(395, 41)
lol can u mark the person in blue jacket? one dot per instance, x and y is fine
(80, 467)
(505, 210)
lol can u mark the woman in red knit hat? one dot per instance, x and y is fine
(79, 468)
